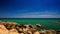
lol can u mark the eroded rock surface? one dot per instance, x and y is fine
(13, 28)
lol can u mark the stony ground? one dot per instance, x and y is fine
(13, 28)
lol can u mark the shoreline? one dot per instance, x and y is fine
(24, 28)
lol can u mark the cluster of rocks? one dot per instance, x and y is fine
(13, 28)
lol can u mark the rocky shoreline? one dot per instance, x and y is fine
(13, 28)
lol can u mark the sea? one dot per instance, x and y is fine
(47, 23)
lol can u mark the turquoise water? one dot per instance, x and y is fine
(47, 23)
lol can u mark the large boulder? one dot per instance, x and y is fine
(13, 31)
(3, 30)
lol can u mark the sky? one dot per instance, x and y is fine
(29, 8)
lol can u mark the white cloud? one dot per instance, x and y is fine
(40, 15)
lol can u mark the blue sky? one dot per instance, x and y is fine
(29, 8)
